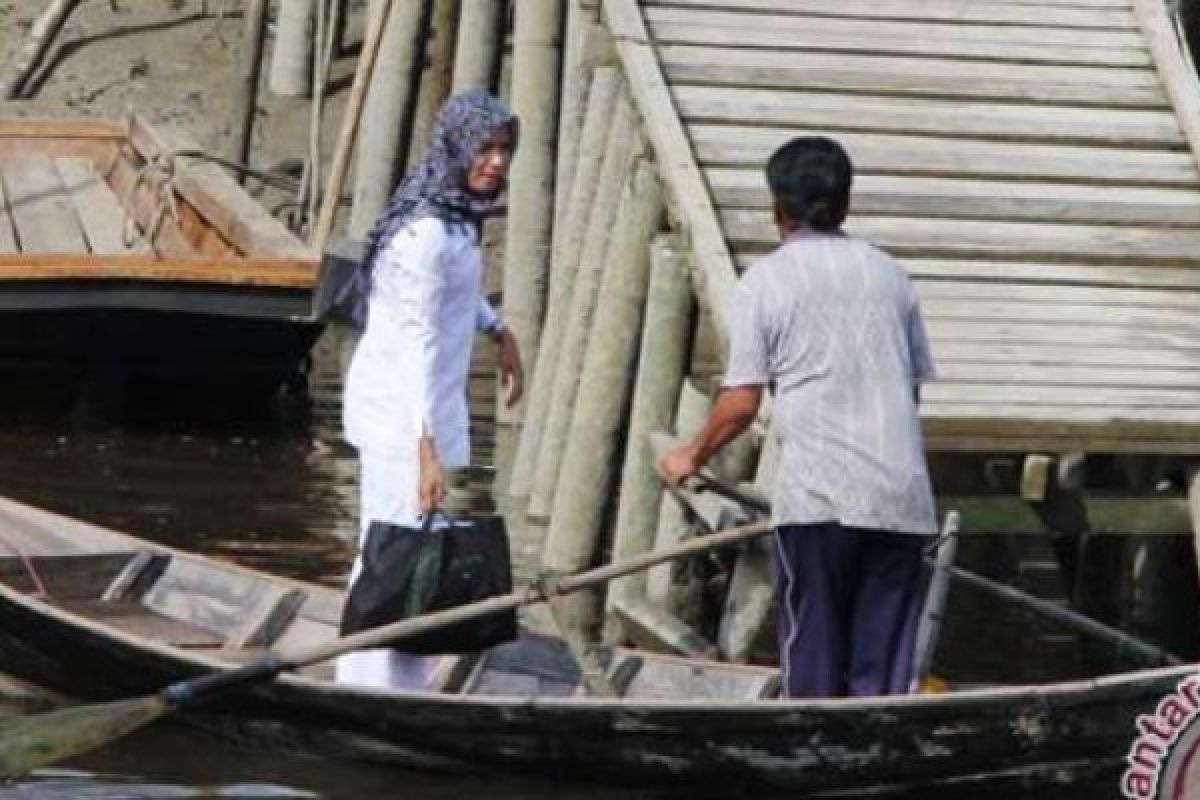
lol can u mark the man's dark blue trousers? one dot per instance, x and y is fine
(849, 603)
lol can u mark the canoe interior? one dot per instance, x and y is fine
(157, 597)
(109, 200)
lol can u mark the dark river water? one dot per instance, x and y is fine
(271, 488)
(276, 489)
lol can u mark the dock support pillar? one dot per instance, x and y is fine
(387, 115)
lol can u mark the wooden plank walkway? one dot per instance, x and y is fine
(1034, 165)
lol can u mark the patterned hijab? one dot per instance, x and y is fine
(437, 185)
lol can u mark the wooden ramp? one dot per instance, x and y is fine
(1032, 163)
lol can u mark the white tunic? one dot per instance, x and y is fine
(410, 369)
(409, 373)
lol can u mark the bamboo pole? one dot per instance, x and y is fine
(930, 625)
(291, 59)
(537, 44)
(584, 34)
(249, 71)
(44, 29)
(388, 107)
(590, 451)
(623, 147)
(435, 78)
(751, 597)
(691, 411)
(480, 45)
(660, 367)
(602, 101)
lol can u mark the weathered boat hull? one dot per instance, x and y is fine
(122, 250)
(154, 351)
(1020, 737)
(1054, 737)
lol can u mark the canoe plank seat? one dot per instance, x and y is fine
(651, 676)
(532, 665)
(542, 666)
(167, 600)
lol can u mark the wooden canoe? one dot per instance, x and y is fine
(116, 250)
(125, 617)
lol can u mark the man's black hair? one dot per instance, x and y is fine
(810, 177)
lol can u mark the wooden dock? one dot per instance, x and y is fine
(1033, 165)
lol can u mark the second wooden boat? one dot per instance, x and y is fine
(121, 250)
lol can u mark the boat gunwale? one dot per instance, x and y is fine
(284, 273)
(1064, 691)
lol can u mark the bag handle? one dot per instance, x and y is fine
(428, 518)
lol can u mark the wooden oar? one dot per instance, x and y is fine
(1124, 643)
(34, 741)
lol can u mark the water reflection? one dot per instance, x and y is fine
(170, 762)
(269, 486)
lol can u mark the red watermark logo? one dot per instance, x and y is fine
(1162, 762)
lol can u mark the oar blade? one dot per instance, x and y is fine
(30, 742)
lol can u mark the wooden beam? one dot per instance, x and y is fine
(956, 32)
(625, 147)
(283, 273)
(652, 628)
(659, 379)
(219, 199)
(874, 74)
(1015, 44)
(958, 11)
(99, 210)
(42, 211)
(933, 237)
(601, 113)
(747, 146)
(690, 195)
(1027, 122)
(1029, 200)
(1178, 75)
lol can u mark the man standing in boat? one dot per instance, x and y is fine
(832, 325)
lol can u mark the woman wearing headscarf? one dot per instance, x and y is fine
(405, 404)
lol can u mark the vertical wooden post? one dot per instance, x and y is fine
(661, 362)
(584, 34)
(480, 44)
(435, 78)
(623, 146)
(690, 412)
(388, 110)
(601, 104)
(249, 69)
(537, 46)
(930, 626)
(1193, 496)
(751, 596)
(590, 451)
(291, 59)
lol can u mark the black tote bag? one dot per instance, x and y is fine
(407, 572)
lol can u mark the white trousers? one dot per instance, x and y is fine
(388, 490)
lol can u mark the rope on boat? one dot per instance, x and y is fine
(160, 171)
(39, 586)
